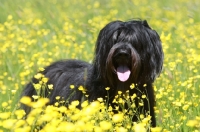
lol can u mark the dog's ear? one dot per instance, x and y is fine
(145, 24)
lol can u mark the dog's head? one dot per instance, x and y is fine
(128, 50)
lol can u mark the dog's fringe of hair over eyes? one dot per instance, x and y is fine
(125, 53)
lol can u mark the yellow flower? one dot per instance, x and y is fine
(98, 129)
(133, 105)
(192, 123)
(133, 96)
(107, 88)
(143, 96)
(45, 79)
(96, 4)
(23, 129)
(40, 103)
(10, 17)
(177, 103)
(5, 115)
(13, 91)
(62, 109)
(46, 117)
(183, 117)
(20, 123)
(121, 101)
(20, 114)
(30, 120)
(75, 103)
(26, 100)
(50, 86)
(41, 69)
(57, 97)
(145, 120)
(70, 127)
(117, 117)
(117, 108)
(72, 86)
(141, 116)
(9, 123)
(198, 118)
(38, 76)
(110, 108)
(132, 86)
(185, 107)
(121, 129)
(156, 129)
(100, 99)
(139, 128)
(35, 97)
(105, 125)
(141, 104)
(84, 104)
(37, 86)
(95, 104)
(56, 104)
(4, 104)
(119, 92)
(81, 88)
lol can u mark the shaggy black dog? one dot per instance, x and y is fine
(126, 53)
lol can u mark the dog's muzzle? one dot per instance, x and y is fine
(124, 61)
(122, 64)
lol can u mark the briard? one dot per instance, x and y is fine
(126, 53)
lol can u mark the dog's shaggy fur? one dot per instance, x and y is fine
(126, 53)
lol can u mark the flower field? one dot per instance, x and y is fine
(35, 33)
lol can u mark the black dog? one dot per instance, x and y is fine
(126, 53)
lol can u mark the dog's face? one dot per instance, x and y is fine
(128, 51)
(123, 61)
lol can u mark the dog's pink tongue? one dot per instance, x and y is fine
(123, 73)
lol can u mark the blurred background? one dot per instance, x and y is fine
(35, 33)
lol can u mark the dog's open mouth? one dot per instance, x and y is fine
(123, 73)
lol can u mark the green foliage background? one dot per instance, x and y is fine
(35, 33)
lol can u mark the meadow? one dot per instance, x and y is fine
(35, 33)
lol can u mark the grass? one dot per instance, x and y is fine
(35, 33)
